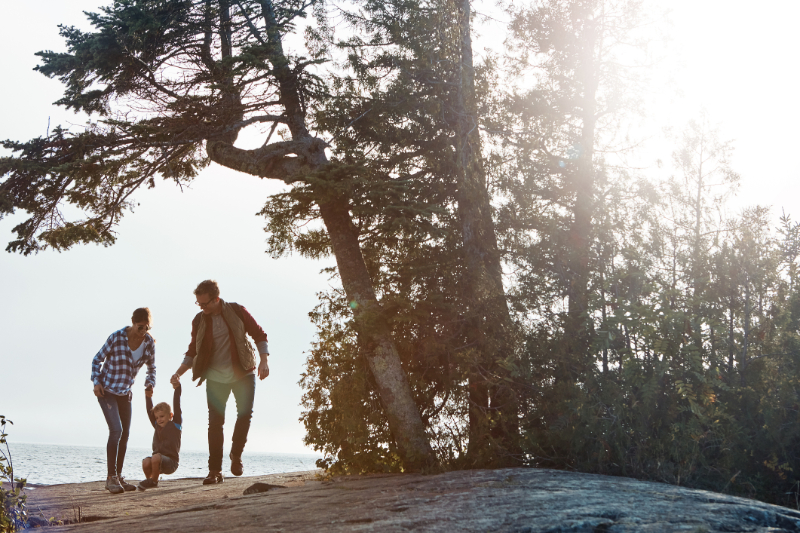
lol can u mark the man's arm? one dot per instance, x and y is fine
(254, 330)
(188, 358)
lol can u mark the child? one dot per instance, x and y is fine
(166, 440)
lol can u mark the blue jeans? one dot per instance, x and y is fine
(117, 410)
(217, 394)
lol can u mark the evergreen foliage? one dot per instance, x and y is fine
(653, 335)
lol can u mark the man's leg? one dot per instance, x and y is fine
(217, 397)
(244, 391)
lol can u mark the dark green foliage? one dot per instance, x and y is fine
(653, 337)
(161, 81)
(392, 118)
(13, 506)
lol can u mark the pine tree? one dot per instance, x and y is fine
(171, 85)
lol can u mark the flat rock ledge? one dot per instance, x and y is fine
(513, 500)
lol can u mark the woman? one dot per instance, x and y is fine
(113, 370)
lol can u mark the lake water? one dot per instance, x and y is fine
(45, 464)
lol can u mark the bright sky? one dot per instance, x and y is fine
(729, 57)
(60, 308)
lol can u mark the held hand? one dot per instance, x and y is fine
(263, 368)
(98, 391)
(148, 392)
(175, 380)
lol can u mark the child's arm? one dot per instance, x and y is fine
(176, 406)
(148, 403)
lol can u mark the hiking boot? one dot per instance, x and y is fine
(237, 468)
(148, 483)
(213, 478)
(113, 486)
(125, 485)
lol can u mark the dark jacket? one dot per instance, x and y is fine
(251, 327)
(167, 440)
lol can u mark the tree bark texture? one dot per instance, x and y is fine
(384, 361)
(494, 429)
(290, 161)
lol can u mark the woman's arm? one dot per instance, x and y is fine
(97, 363)
(150, 381)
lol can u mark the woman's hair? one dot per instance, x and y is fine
(209, 287)
(162, 407)
(142, 315)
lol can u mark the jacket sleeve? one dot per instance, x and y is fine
(176, 406)
(99, 358)
(148, 403)
(192, 350)
(251, 327)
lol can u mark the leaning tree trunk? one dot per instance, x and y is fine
(493, 415)
(290, 161)
(384, 362)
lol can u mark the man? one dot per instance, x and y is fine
(220, 353)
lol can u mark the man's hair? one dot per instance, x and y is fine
(208, 287)
(162, 407)
(142, 315)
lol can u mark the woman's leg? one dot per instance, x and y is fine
(110, 407)
(125, 411)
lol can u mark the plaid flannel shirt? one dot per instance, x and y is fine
(118, 371)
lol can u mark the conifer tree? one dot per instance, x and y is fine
(569, 94)
(407, 91)
(171, 85)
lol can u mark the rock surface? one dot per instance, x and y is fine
(518, 500)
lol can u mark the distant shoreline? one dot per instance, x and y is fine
(45, 465)
(102, 447)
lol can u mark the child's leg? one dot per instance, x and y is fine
(146, 466)
(155, 466)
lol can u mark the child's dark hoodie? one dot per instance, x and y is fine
(167, 440)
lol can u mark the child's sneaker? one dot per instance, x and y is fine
(113, 486)
(125, 485)
(148, 483)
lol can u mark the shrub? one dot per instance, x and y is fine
(13, 510)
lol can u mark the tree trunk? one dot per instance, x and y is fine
(493, 402)
(578, 326)
(730, 335)
(746, 332)
(384, 362)
(290, 161)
